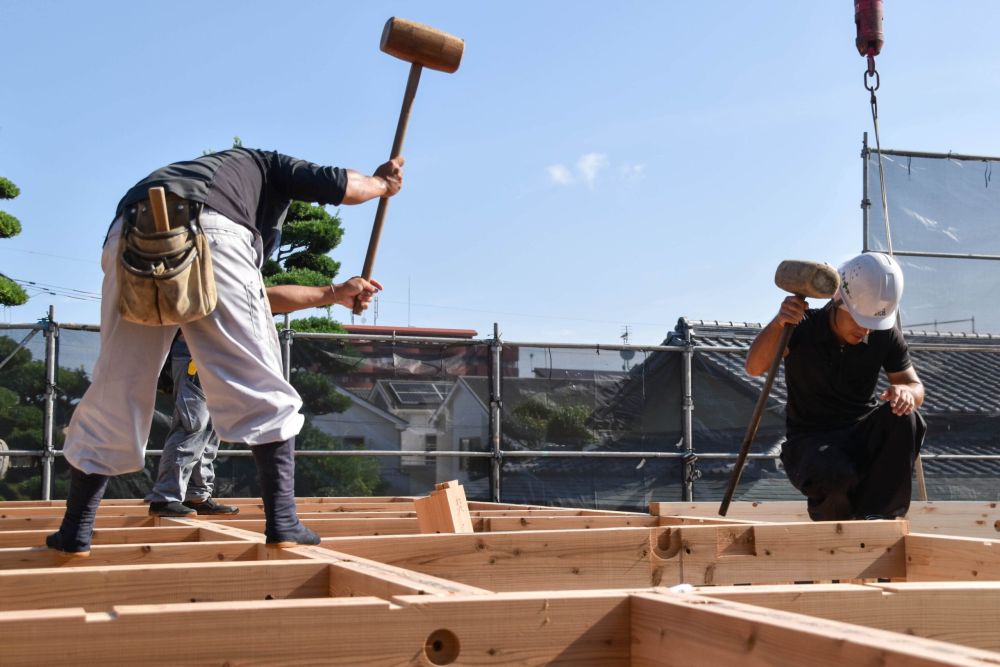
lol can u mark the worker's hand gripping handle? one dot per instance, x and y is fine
(383, 203)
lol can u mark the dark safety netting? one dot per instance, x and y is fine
(420, 409)
(575, 426)
(592, 427)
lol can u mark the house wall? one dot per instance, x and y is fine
(357, 422)
(462, 417)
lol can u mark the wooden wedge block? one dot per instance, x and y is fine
(445, 510)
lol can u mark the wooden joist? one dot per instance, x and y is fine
(670, 629)
(532, 585)
(961, 518)
(587, 628)
(960, 613)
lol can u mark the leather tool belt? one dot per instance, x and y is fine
(165, 277)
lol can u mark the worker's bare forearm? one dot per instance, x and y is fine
(385, 182)
(763, 348)
(289, 298)
(361, 188)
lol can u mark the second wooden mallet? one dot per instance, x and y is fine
(805, 279)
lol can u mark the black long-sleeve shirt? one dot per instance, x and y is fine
(248, 186)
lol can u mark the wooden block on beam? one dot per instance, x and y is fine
(445, 510)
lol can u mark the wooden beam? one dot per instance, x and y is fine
(539, 522)
(100, 588)
(522, 561)
(784, 511)
(130, 554)
(957, 612)
(785, 553)
(34, 538)
(589, 630)
(361, 576)
(940, 558)
(960, 518)
(346, 527)
(105, 510)
(703, 521)
(215, 532)
(670, 629)
(52, 523)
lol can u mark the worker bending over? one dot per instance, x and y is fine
(850, 456)
(239, 199)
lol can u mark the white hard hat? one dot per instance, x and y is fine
(871, 286)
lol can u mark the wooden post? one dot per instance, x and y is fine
(445, 510)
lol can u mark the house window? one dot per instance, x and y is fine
(430, 445)
(354, 442)
(470, 445)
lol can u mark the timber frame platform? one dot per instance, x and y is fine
(530, 586)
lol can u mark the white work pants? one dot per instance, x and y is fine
(235, 348)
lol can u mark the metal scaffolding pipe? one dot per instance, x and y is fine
(687, 407)
(48, 431)
(496, 405)
(286, 349)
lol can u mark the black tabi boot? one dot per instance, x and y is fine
(276, 474)
(85, 493)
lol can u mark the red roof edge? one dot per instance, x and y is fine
(362, 329)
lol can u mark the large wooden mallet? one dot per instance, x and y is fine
(421, 46)
(804, 279)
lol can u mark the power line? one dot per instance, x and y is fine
(58, 290)
(46, 254)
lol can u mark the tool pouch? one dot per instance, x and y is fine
(165, 277)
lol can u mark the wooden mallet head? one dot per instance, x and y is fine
(422, 45)
(817, 280)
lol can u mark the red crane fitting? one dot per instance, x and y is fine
(868, 19)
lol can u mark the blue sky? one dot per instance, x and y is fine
(590, 166)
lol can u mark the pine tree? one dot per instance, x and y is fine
(11, 294)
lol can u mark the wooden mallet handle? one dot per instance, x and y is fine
(158, 206)
(383, 203)
(758, 412)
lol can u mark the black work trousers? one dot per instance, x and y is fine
(859, 472)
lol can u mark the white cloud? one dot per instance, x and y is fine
(560, 175)
(589, 165)
(630, 172)
(588, 168)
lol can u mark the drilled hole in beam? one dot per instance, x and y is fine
(442, 647)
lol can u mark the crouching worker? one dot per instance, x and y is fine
(851, 456)
(199, 271)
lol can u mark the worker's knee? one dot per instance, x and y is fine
(835, 506)
(818, 468)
